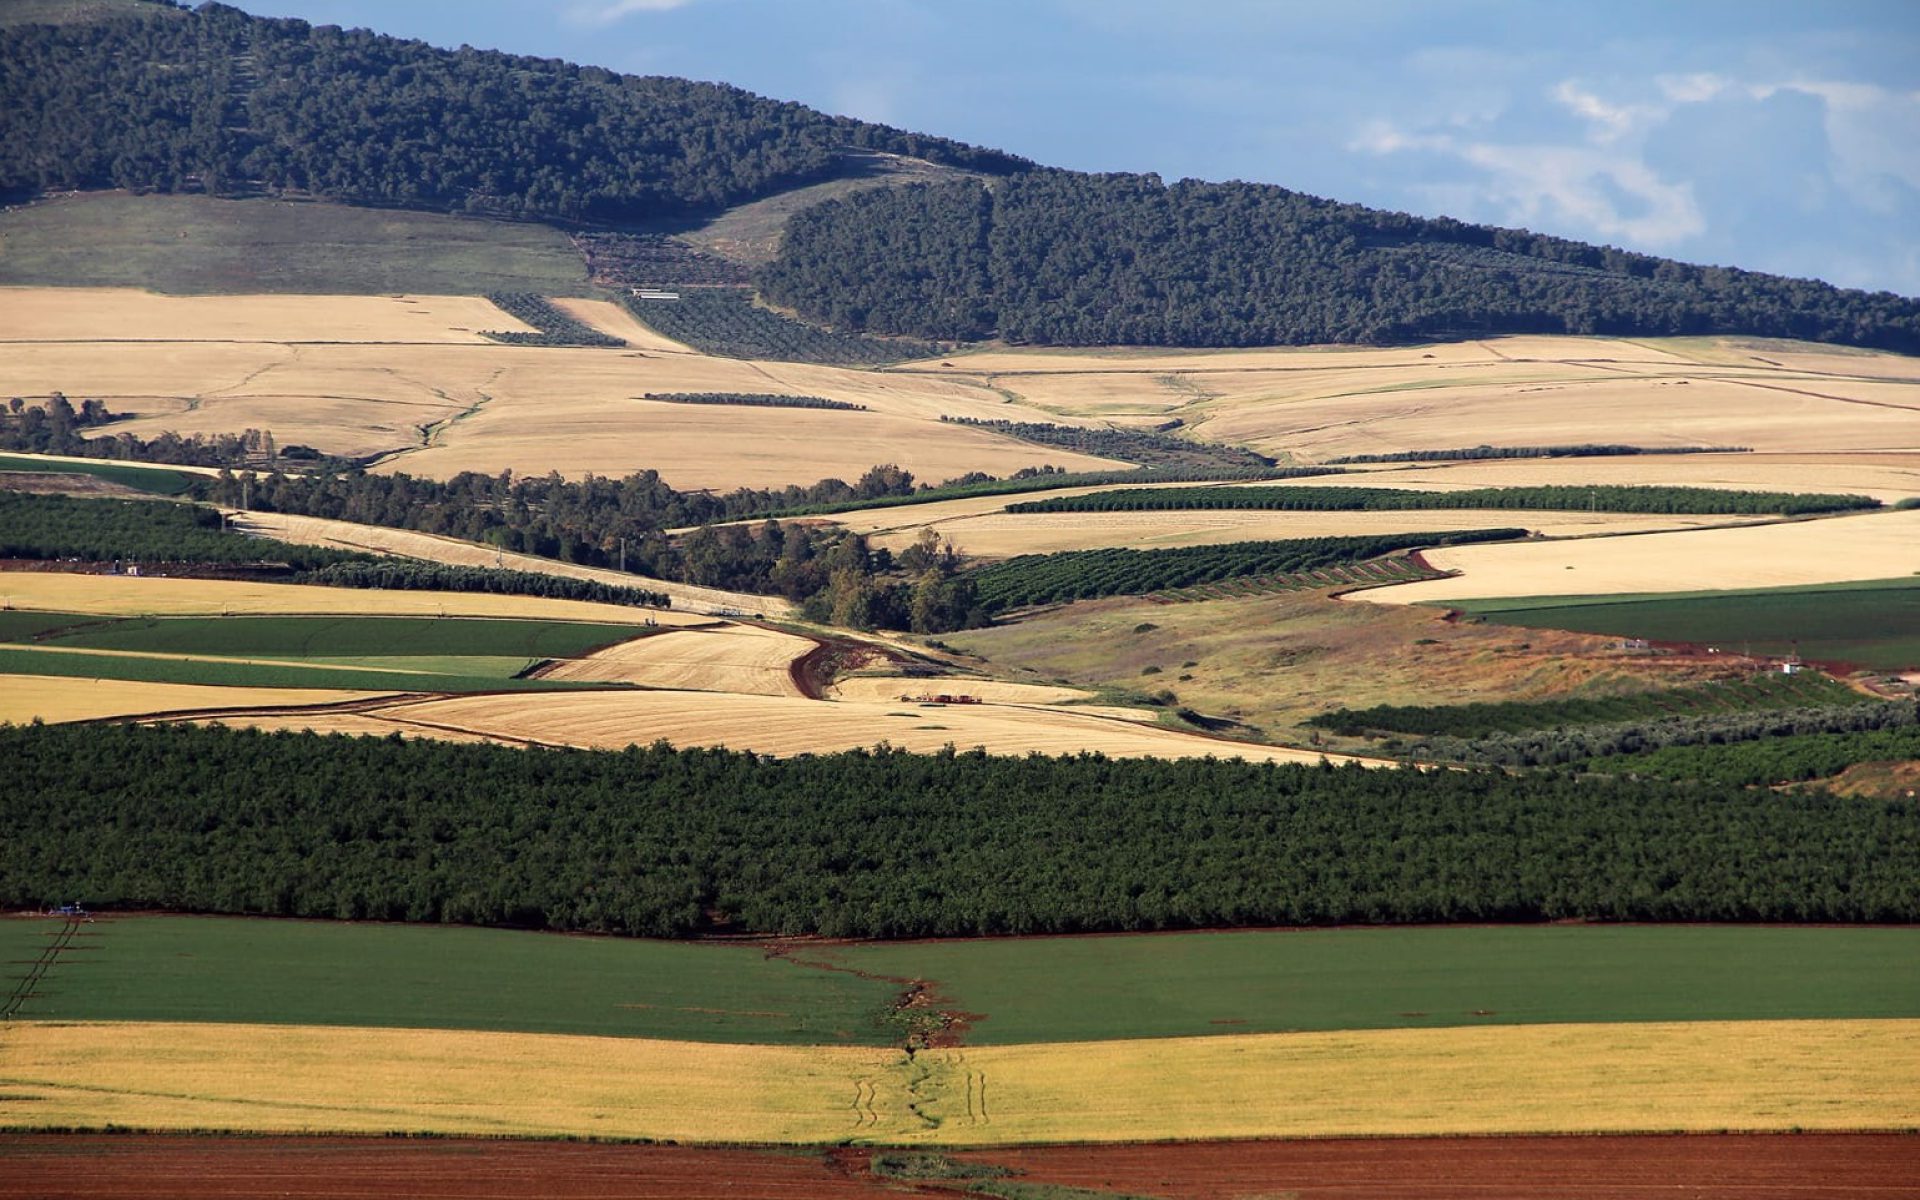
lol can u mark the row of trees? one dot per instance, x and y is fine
(883, 844)
(1148, 448)
(1579, 450)
(55, 426)
(1061, 258)
(1090, 574)
(223, 102)
(1550, 497)
(753, 400)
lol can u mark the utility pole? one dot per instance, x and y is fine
(623, 555)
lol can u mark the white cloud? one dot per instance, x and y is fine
(606, 12)
(1611, 122)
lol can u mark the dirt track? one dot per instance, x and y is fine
(1754, 1167)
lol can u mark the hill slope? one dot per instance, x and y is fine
(221, 102)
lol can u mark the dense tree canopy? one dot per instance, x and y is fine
(227, 103)
(1062, 258)
(665, 842)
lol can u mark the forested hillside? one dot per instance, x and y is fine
(231, 104)
(1060, 258)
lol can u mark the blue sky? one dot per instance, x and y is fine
(1777, 136)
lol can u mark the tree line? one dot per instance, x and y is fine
(1578, 450)
(668, 842)
(1791, 758)
(55, 426)
(1613, 498)
(229, 104)
(753, 400)
(1061, 258)
(1089, 574)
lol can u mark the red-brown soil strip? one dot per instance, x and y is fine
(1698, 1167)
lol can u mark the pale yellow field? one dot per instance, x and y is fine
(376, 539)
(746, 659)
(129, 314)
(1324, 401)
(1879, 545)
(1002, 535)
(54, 699)
(120, 595)
(785, 726)
(1745, 1075)
(889, 689)
(350, 724)
(611, 318)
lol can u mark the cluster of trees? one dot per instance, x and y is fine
(55, 426)
(137, 531)
(753, 400)
(725, 321)
(1149, 449)
(629, 260)
(610, 522)
(1789, 759)
(1032, 479)
(407, 575)
(1090, 574)
(1549, 497)
(555, 328)
(227, 103)
(1515, 716)
(1062, 258)
(1579, 450)
(1583, 743)
(882, 844)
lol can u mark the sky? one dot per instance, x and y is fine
(1775, 135)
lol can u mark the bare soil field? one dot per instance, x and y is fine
(404, 543)
(55, 699)
(1700, 1167)
(1003, 535)
(131, 1167)
(130, 315)
(121, 595)
(1702, 1076)
(786, 726)
(1878, 545)
(745, 659)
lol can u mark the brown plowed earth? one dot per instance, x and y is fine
(131, 1167)
(1697, 1167)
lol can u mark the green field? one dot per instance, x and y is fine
(147, 479)
(1019, 990)
(439, 654)
(202, 245)
(1874, 623)
(314, 972)
(337, 637)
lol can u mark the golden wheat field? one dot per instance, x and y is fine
(886, 689)
(1003, 535)
(120, 595)
(787, 726)
(1879, 545)
(609, 318)
(24, 698)
(405, 543)
(1739, 1075)
(747, 659)
(129, 314)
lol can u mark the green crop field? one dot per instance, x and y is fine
(1019, 990)
(341, 637)
(322, 973)
(202, 245)
(1872, 624)
(148, 479)
(1172, 985)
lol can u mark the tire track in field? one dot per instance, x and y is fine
(37, 971)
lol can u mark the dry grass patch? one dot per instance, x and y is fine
(24, 698)
(1832, 550)
(431, 547)
(886, 689)
(610, 318)
(129, 314)
(747, 659)
(783, 726)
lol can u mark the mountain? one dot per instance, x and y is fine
(217, 101)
